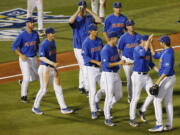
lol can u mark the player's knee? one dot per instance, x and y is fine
(43, 91)
(157, 101)
(135, 99)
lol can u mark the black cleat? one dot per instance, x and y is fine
(142, 116)
(24, 99)
(82, 90)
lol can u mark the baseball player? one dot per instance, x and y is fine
(166, 82)
(126, 44)
(91, 48)
(26, 47)
(47, 72)
(110, 80)
(79, 22)
(31, 4)
(115, 21)
(140, 77)
(102, 6)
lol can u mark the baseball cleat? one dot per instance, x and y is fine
(94, 115)
(157, 128)
(108, 122)
(37, 111)
(97, 107)
(24, 99)
(142, 116)
(66, 111)
(20, 82)
(133, 123)
(82, 90)
(167, 128)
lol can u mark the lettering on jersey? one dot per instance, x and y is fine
(131, 45)
(113, 58)
(14, 21)
(31, 43)
(96, 49)
(51, 52)
(116, 25)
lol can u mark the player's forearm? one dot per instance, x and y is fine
(113, 64)
(152, 49)
(44, 59)
(160, 79)
(155, 68)
(95, 62)
(96, 17)
(73, 17)
(18, 52)
(105, 36)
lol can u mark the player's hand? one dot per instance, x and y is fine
(98, 63)
(121, 62)
(56, 65)
(151, 37)
(23, 57)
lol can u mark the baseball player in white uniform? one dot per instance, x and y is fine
(110, 80)
(79, 23)
(26, 46)
(31, 5)
(166, 82)
(102, 6)
(47, 72)
(91, 49)
(126, 44)
(140, 77)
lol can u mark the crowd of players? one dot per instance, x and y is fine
(100, 64)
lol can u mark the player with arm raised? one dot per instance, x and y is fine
(79, 23)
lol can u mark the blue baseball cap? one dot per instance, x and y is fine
(165, 39)
(92, 27)
(82, 3)
(117, 5)
(145, 37)
(50, 30)
(130, 23)
(112, 34)
(30, 19)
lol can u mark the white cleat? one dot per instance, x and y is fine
(36, 111)
(157, 128)
(67, 111)
(133, 123)
(108, 122)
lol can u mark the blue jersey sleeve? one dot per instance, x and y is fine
(167, 64)
(42, 51)
(105, 59)
(17, 43)
(106, 24)
(86, 52)
(121, 44)
(158, 55)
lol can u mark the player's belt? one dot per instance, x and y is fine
(142, 73)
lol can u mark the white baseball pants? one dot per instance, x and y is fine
(140, 81)
(29, 72)
(47, 74)
(93, 75)
(79, 58)
(166, 94)
(128, 69)
(31, 4)
(94, 6)
(112, 85)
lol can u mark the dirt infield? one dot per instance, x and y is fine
(67, 58)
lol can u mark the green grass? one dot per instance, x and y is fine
(17, 119)
(151, 16)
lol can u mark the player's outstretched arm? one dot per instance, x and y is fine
(96, 17)
(44, 59)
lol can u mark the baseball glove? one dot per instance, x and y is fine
(154, 90)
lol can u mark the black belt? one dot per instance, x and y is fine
(142, 73)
